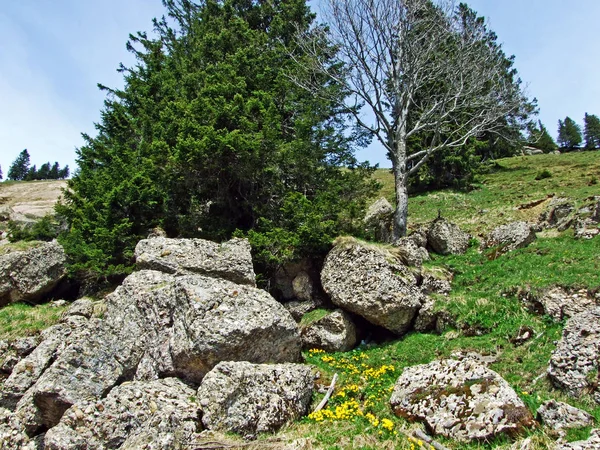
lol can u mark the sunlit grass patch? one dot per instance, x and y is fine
(20, 319)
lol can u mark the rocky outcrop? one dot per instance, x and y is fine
(446, 238)
(366, 280)
(249, 398)
(558, 214)
(560, 304)
(463, 400)
(160, 414)
(156, 325)
(593, 443)
(577, 354)
(13, 352)
(379, 220)
(29, 275)
(560, 416)
(230, 260)
(410, 253)
(511, 236)
(335, 332)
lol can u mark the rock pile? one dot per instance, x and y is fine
(129, 378)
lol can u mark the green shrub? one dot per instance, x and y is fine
(543, 174)
(45, 229)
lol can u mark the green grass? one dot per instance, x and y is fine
(484, 301)
(313, 316)
(20, 319)
(510, 184)
(19, 246)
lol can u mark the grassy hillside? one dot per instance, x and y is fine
(502, 195)
(484, 301)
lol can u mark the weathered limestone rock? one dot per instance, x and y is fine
(249, 398)
(27, 371)
(558, 214)
(163, 410)
(559, 416)
(379, 220)
(30, 274)
(335, 332)
(83, 307)
(577, 353)
(463, 400)
(447, 238)
(410, 253)
(230, 260)
(593, 443)
(157, 325)
(511, 236)
(366, 281)
(559, 304)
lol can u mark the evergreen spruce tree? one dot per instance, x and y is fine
(44, 172)
(0, 172)
(209, 138)
(63, 173)
(19, 169)
(54, 171)
(31, 174)
(569, 134)
(591, 131)
(540, 138)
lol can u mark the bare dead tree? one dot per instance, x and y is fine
(419, 67)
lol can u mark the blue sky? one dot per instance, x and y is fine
(54, 52)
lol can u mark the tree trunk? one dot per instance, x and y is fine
(401, 213)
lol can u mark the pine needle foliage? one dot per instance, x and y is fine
(209, 137)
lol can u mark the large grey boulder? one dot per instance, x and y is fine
(379, 220)
(230, 260)
(159, 325)
(577, 354)
(249, 398)
(511, 236)
(367, 281)
(560, 416)
(410, 253)
(593, 443)
(463, 400)
(160, 414)
(30, 274)
(447, 238)
(27, 371)
(335, 332)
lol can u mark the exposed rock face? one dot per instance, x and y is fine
(28, 275)
(159, 414)
(511, 236)
(379, 220)
(577, 353)
(559, 304)
(335, 332)
(410, 253)
(593, 443)
(463, 400)
(559, 416)
(359, 279)
(230, 260)
(447, 238)
(249, 398)
(13, 352)
(83, 307)
(27, 371)
(156, 325)
(299, 308)
(558, 214)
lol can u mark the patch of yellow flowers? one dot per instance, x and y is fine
(418, 442)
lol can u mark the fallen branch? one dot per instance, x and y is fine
(327, 395)
(435, 444)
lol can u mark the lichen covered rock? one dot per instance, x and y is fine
(254, 398)
(463, 400)
(335, 332)
(366, 281)
(446, 238)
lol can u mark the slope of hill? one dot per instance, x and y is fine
(490, 306)
(29, 199)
